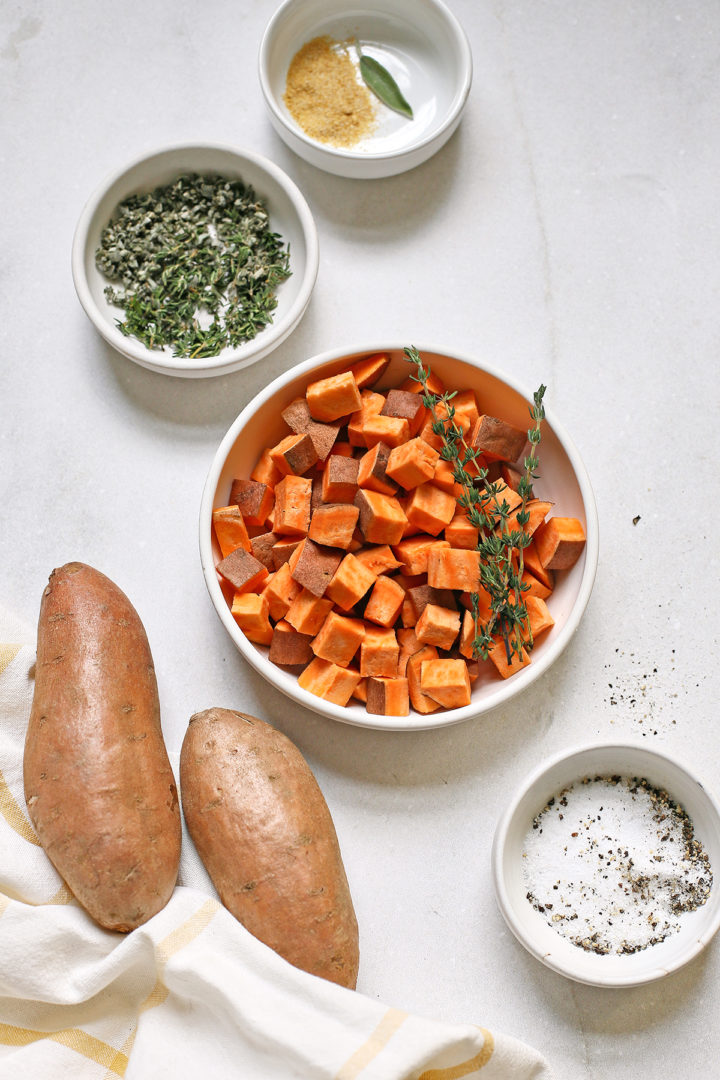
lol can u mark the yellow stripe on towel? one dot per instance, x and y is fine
(74, 1039)
(379, 1039)
(465, 1068)
(182, 935)
(14, 816)
(7, 655)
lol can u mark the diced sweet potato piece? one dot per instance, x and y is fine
(538, 509)
(379, 652)
(467, 635)
(426, 431)
(292, 506)
(412, 463)
(454, 568)
(434, 384)
(381, 517)
(392, 430)
(370, 405)
(371, 368)
(421, 702)
(446, 681)
(265, 472)
(288, 648)
(531, 562)
(539, 615)
(438, 626)
(333, 524)
(340, 479)
(331, 398)
(534, 586)
(349, 583)
(372, 470)
(244, 572)
(339, 638)
(307, 612)
(430, 509)
(498, 654)
(251, 612)
(510, 475)
(254, 499)
(280, 590)
(465, 402)
(380, 559)
(405, 406)
(559, 542)
(504, 499)
(283, 549)
(460, 533)
(294, 454)
(388, 697)
(315, 567)
(413, 552)
(329, 681)
(422, 595)
(444, 478)
(497, 439)
(409, 645)
(230, 529)
(262, 548)
(385, 601)
(297, 417)
(360, 691)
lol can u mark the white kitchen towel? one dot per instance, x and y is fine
(191, 993)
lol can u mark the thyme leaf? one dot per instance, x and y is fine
(193, 264)
(500, 545)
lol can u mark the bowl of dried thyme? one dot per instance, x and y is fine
(196, 260)
(605, 864)
(365, 91)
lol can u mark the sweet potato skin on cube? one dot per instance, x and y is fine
(265, 834)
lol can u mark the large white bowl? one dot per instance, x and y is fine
(563, 479)
(289, 216)
(530, 927)
(420, 42)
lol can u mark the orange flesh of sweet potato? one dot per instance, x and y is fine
(265, 834)
(379, 498)
(331, 398)
(559, 543)
(446, 681)
(98, 783)
(230, 529)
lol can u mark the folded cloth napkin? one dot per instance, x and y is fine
(191, 993)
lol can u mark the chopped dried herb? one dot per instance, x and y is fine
(194, 264)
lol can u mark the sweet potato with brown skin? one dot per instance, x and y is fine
(265, 835)
(98, 783)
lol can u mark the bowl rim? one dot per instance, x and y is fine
(463, 83)
(228, 360)
(415, 721)
(586, 968)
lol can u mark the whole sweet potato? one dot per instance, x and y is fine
(264, 832)
(98, 782)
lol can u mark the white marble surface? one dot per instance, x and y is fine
(569, 232)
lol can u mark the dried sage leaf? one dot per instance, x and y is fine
(382, 84)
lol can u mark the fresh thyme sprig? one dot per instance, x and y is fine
(500, 543)
(194, 264)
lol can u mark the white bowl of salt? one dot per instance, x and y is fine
(606, 865)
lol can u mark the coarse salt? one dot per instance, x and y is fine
(613, 865)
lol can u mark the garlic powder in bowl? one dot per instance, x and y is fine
(603, 865)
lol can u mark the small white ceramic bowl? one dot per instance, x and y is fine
(564, 480)
(530, 926)
(289, 216)
(420, 43)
